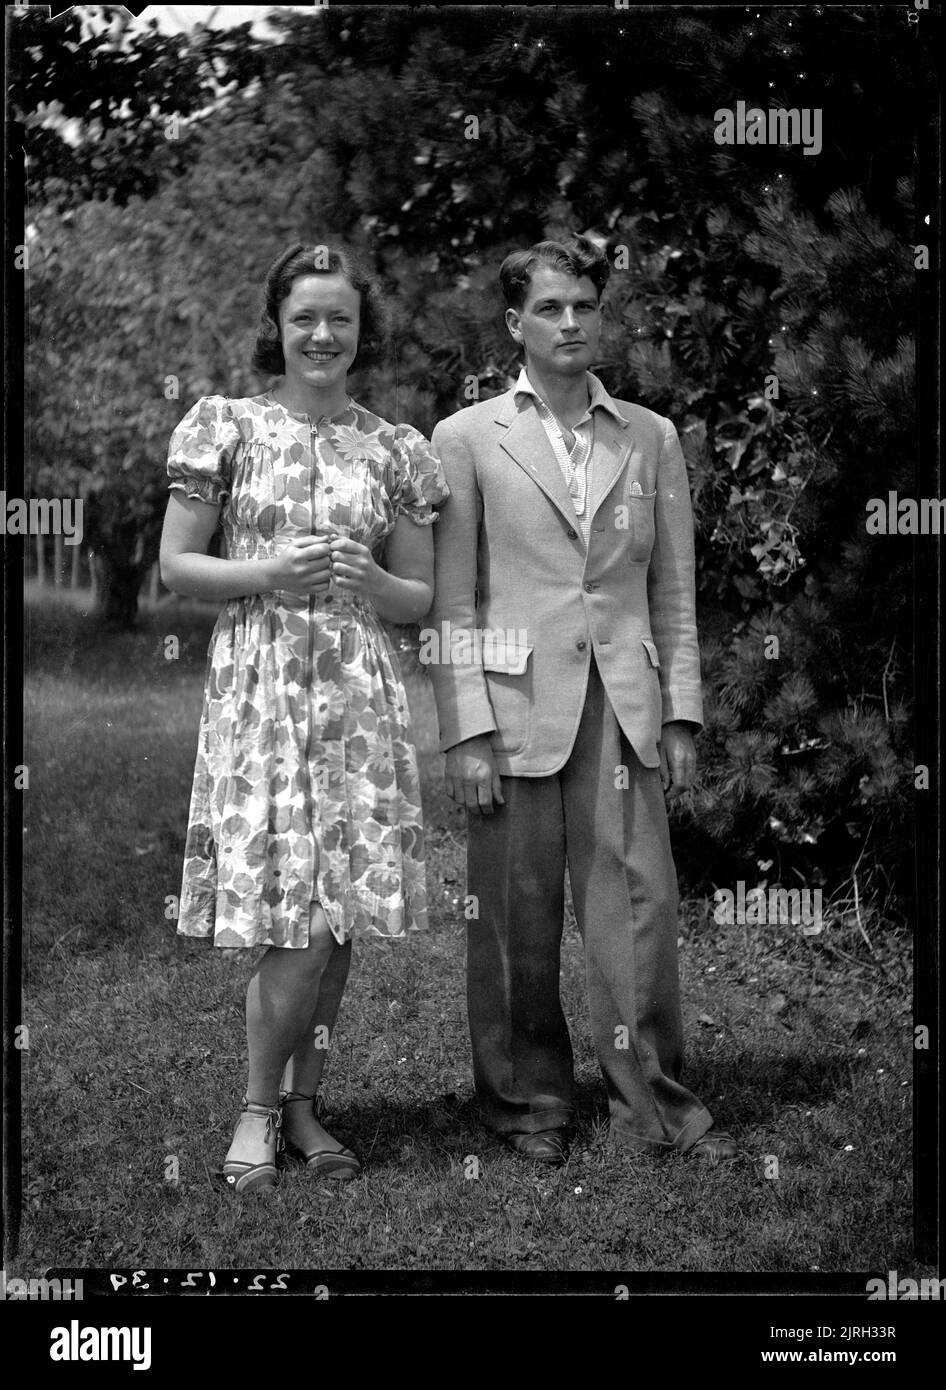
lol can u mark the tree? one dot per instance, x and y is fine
(104, 113)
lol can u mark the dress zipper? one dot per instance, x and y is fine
(310, 639)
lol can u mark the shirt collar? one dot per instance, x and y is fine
(599, 396)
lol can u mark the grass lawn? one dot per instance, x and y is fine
(800, 1045)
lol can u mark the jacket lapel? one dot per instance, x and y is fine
(613, 448)
(527, 444)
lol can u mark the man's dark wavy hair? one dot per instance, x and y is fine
(323, 258)
(577, 256)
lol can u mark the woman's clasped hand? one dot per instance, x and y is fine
(312, 564)
(353, 567)
(303, 566)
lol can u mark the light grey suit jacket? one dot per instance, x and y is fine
(510, 561)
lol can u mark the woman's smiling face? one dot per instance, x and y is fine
(318, 322)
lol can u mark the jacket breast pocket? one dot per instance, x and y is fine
(508, 670)
(640, 526)
(651, 649)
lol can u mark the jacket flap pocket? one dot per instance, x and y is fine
(499, 654)
(651, 651)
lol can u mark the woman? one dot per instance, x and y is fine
(305, 821)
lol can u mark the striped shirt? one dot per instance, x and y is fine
(576, 460)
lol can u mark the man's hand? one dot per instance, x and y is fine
(677, 759)
(471, 777)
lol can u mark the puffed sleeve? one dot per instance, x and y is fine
(202, 449)
(418, 481)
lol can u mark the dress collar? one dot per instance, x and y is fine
(309, 419)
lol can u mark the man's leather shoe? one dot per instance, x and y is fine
(544, 1146)
(715, 1146)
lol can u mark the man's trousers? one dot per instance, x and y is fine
(604, 816)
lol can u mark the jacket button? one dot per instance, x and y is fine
(591, 586)
(581, 646)
(572, 535)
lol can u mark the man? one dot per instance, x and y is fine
(568, 692)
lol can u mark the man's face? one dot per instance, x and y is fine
(559, 324)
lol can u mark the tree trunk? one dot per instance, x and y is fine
(75, 578)
(41, 559)
(57, 560)
(117, 581)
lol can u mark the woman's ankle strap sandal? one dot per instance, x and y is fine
(249, 1177)
(325, 1163)
(293, 1096)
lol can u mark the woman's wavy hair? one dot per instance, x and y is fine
(324, 258)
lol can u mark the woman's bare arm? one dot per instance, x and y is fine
(303, 567)
(402, 593)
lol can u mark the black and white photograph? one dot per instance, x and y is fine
(472, 527)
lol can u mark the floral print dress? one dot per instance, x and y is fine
(305, 785)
